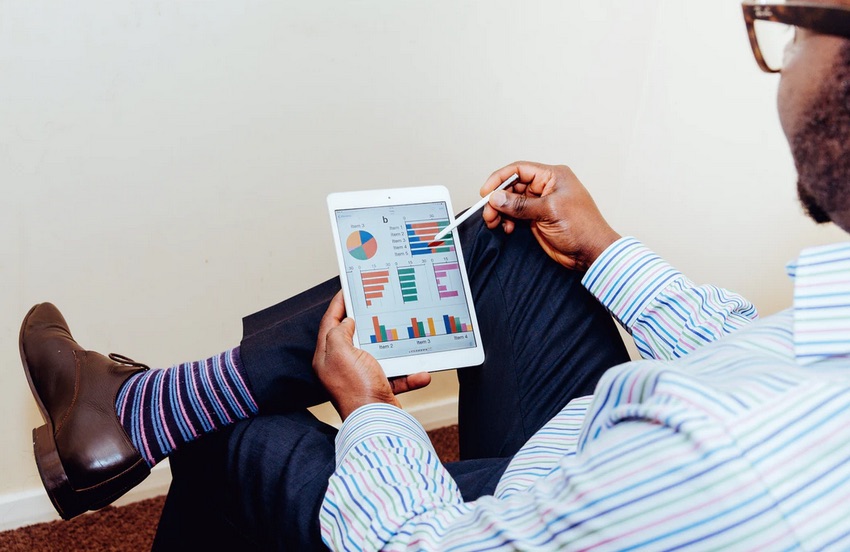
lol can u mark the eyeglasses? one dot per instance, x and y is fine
(772, 26)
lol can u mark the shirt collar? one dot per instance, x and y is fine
(821, 303)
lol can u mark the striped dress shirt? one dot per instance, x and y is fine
(732, 433)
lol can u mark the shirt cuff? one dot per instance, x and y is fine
(378, 420)
(627, 277)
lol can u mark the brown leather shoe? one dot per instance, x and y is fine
(84, 457)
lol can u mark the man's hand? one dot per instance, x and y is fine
(564, 218)
(352, 376)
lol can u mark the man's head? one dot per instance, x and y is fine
(814, 108)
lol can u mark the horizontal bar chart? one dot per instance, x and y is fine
(443, 274)
(420, 237)
(374, 283)
(407, 283)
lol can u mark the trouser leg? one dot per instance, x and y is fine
(261, 479)
(259, 484)
(547, 340)
(193, 516)
(277, 351)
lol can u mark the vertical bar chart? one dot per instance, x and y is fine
(407, 282)
(427, 327)
(448, 276)
(454, 325)
(420, 237)
(374, 282)
(382, 334)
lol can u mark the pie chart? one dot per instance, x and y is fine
(361, 245)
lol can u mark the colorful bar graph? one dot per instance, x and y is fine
(420, 236)
(417, 329)
(382, 334)
(427, 328)
(441, 273)
(454, 325)
(407, 281)
(374, 283)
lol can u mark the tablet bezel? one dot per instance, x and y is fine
(422, 362)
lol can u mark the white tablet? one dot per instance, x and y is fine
(408, 295)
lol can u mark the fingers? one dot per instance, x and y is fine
(499, 176)
(524, 169)
(403, 384)
(337, 306)
(334, 313)
(534, 180)
(340, 336)
(534, 175)
(331, 319)
(491, 216)
(518, 206)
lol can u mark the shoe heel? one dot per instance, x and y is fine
(53, 474)
(70, 502)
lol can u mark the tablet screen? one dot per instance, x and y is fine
(407, 292)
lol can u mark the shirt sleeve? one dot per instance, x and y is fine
(662, 476)
(387, 475)
(666, 313)
(391, 492)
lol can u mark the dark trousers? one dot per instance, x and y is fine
(260, 482)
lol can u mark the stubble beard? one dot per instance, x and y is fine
(821, 149)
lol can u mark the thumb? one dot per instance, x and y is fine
(344, 332)
(517, 205)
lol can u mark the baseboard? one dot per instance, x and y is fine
(436, 414)
(32, 506)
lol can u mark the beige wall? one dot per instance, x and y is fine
(164, 164)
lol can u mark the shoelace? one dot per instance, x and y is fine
(128, 361)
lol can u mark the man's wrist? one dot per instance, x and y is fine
(602, 242)
(348, 407)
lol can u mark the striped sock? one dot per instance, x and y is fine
(162, 409)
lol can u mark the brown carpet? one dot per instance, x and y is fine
(132, 527)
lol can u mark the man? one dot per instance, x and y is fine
(731, 434)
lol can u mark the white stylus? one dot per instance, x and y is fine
(474, 209)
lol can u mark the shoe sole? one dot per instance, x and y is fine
(67, 500)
